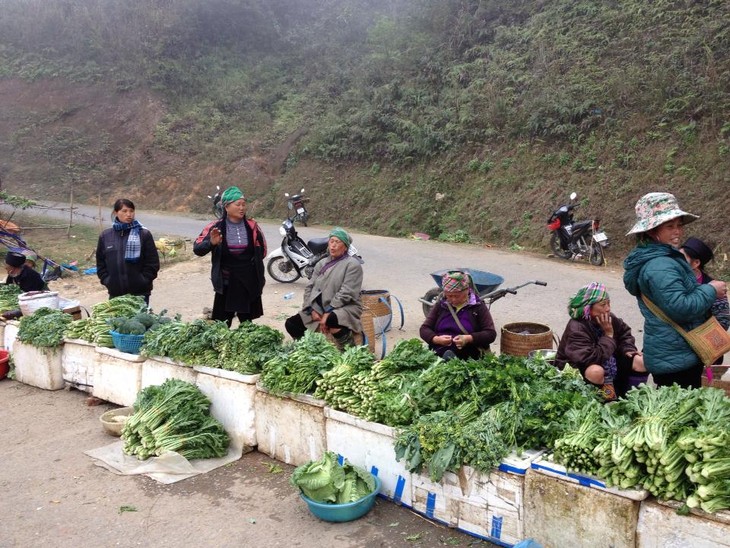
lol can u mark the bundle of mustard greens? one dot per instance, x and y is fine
(173, 416)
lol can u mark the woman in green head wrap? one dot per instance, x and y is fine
(332, 297)
(238, 247)
(600, 344)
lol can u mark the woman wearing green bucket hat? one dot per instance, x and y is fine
(656, 269)
(238, 247)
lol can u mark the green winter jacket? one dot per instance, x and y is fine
(661, 273)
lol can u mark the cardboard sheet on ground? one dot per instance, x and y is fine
(168, 468)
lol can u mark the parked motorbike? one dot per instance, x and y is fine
(574, 240)
(295, 258)
(296, 205)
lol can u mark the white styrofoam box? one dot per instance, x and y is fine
(10, 334)
(660, 526)
(38, 366)
(117, 376)
(369, 445)
(519, 463)
(290, 428)
(486, 505)
(567, 514)
(77, 363)
(157, 370)
(545, 465)
(232, 398)
(2, 333)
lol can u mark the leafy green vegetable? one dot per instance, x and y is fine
(9, 297)
(326, 481)
(173, 416)
(46, 327)
(298, 366)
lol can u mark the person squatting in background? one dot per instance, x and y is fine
(127, 261)
(238, 247)
(332, 302)
(600, 345)
(656, 270)
(19, 273)
(459, 324)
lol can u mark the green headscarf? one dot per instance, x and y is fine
(580, 305)
(341, 235)
(230, 195)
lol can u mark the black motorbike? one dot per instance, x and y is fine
(296, 205)
(574, 240)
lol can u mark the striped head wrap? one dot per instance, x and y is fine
(580, 305)
(455, 281)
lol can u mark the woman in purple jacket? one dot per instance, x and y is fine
(459, 325)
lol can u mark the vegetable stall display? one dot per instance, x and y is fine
(673, 442)
(243, 350)
(46, 327)
(95, 329)
(173, 416)
(9, 297)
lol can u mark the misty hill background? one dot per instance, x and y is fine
(468, 120)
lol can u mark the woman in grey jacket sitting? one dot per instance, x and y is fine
(332, 302)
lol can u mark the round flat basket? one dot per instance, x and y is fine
(343, 512)
(127, 343)
(519, 339)
(113, 421)
(33, 300)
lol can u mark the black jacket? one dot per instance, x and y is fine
(28, 280)
(119, 276)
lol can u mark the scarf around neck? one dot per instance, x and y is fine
(133, 249)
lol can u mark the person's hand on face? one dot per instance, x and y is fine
(601, 313)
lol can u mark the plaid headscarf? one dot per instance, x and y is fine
(455, 281)
(133, 250)
(580, 305)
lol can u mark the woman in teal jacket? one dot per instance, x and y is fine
(657, 269)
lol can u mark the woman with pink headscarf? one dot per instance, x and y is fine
(459, 325)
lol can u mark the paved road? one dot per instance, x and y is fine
(402, 266)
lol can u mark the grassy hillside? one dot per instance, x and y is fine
(469, 120)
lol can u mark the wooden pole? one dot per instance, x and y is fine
(71, 213)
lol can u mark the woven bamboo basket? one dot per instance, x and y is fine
(377, 302)
(368, 328)
(519, 339)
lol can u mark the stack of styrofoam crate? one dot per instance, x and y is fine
(232, 397)
(371, 446)
(36, 366)
(488, 505)
(117, 376)
(660, 525)
(563, 508)
(157, 370)
(77, 362)
(290, 428)
(10, 333)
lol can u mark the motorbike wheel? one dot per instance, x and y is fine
(431, 295)
(556, 249)
(596, 256)
(282, 270)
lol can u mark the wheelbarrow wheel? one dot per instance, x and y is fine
(431, 296)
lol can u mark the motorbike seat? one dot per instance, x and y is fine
(581, 224)
(317, 245)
